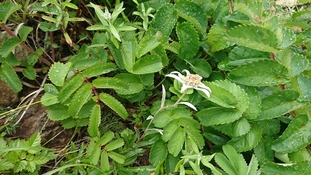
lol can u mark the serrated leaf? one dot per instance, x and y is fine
(95, 155)
(215, 37)
(255, 74)
(294, 62)
(33, 57)
(297, 135)
(29, 72)
(188, 39)
(107, 137)
(58, 112)
(58, 73)
(237, 128)
(254, 109)
(253, 166)
(193, 13)
(20, 166)
(278, 104)
(158, 152)
(165, 18)
(24, 31)
(6, 165)
(9, 45)
(98, 69)
(69, 88)
(114, 104)
(162, 119)
(114, 144)
(263, 150)
(111, 83)
(149, 42)
(218, 115)
(116, 53)
(286, 36)
(148, 64)
(298, 168)
(221, 95)
(34, 140)
(100, 14)
(117, 157)
(176, 143)
(134, 83)
(104, 161)
(8, 75)
(7, 9)
(248, 141)
(236, 160)
(169, 130)
(81, 97)
(128, 54)
(224, 163)
(201, 67)
(304, 84)
(254, 37)
(95, 119)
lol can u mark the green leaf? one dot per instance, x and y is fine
(169, 130)
(134, 83)
(128, 54)
(117, 157)
(237, 128)
(34, 140)
(24, 31)
(107, 137)
(58, 112)
(297, 135)
(201, 67)
(255, 74)
(33, 57)
(295, 63)
(233, 163)
(114, 144)
(193, 13)
(8, 75)
(9, 45)
(263, 150)
(95, 155)
(81, 97)
(254, 37)
(114, 104)
(104, 161)
(286, 36)
(149, 42)
(176, 143)
(69, 88)
(49, 99)
(167, 115)
(111, 83)
(248, 141)
(148, 64)
(29, 72)
(98, 69)
(216, 37)
(218, 115)
(6, 165)
(100, 14)
(158, 152)
(7, 9)
(278, 104)
(116, 53)
(95, 119)
(287, 169)
(165, 19)
(304, 84)
(58, 73)
(188, 39)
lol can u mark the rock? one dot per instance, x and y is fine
(8, 96)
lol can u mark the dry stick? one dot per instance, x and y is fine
(24, 45)
(32, 99)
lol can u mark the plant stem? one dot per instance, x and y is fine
(158, 111)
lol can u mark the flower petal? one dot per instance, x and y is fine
(189, 105)
(178, 78)
(163, 96)
(205, 91)
(201, 85)
(185, 87)
(187, 72)
(150, 117)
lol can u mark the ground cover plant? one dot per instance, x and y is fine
(159, 86)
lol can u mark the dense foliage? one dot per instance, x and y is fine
(209, 87)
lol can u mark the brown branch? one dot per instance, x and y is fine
(30, 50)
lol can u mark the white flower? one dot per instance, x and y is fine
(107, 15)
(190, 81)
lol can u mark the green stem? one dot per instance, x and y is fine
(161, 109)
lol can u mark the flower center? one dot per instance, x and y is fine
(193, 79)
